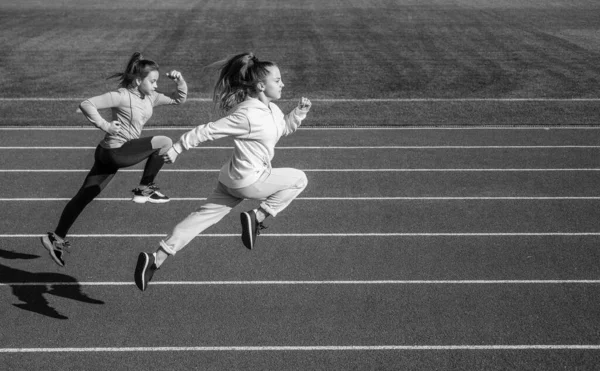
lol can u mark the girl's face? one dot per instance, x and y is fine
(148, 84)
(273, 84)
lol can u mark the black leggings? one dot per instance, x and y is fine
(107, 161)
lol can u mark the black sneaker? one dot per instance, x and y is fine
(56, 247)
(149, 194)
(144, 270)
(250, 228)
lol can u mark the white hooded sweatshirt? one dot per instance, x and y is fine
(255, 129)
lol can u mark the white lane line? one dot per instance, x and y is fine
(490, 198)
(406, 234)
(340, 100)
(330, 147)
(325, 128)
(116, 235)
(302, 283)
(87, 170)
(318, 348)
(204, 198)
(309, 170)
(178, 128)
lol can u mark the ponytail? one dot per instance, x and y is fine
(238, 79)
(137, 67)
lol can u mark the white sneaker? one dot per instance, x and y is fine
(150, 194)
(56, 247)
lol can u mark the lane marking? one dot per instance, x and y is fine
(318, 348)
(166, 128)
(213, 235)
(204, 198)
(334, 147)
(87, 170)
(490, 198)
(309, 170)
(341, 100)
(301, 283)
(407, 234)
(325, 128)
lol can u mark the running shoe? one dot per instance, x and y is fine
(56, 247)
(250, 228)
(150, 194)
(144, 270)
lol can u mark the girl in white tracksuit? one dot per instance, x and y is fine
(246, 88)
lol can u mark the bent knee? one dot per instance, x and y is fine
(302, 181)
(161, 142)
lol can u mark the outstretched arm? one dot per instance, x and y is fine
(233, 125)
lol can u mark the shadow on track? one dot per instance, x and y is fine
(31, 287)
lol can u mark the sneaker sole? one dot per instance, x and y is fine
(246, 230)
(139, 199)
(48, 246)
(143, 200)
(163, 201)
(140, 271)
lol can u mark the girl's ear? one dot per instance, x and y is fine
(138, 82)
(260, 86)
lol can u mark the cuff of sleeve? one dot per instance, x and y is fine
(178, 148)
(168, 249)
(301, 113)
(103, 125)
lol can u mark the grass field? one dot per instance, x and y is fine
(376, 49)
(451, 217)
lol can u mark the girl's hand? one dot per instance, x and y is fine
(304, 104)
(175, 75)
(170, 156)
(113, 127)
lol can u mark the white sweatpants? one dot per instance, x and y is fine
(276, 188)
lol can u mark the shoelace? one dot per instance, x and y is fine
(260, 227)
(151, 189)
(155, 189)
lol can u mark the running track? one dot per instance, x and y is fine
(456, 248)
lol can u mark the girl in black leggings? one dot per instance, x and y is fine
(131, 105)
